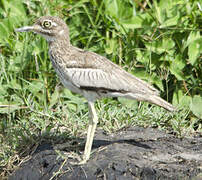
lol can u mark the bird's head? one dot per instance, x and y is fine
(49, 27)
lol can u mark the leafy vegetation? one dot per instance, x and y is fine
(158, 41)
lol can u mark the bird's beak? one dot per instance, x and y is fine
(25, 29)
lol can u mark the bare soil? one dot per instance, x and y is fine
(134, 153)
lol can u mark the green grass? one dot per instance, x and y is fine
(160, 43)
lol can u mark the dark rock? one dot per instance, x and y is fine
(136, 153)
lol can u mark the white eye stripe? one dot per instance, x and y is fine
(54, 24)
(61, 32)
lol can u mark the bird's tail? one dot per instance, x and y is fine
(155, 99)
(161, 102)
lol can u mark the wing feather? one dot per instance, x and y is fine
(97, 79)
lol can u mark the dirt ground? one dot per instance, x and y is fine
(134, 153)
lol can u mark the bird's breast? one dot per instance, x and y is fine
(60, 69)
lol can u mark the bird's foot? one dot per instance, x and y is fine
(80, 161)
(83, 161)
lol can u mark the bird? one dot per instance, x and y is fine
(89, 74)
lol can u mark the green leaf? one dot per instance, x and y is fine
(181, 100)
(150, 78)
(111, 43)
(194, 50)
(196, 106)
(13, 84)
(142, 56)
(119, 9)
(14, 8)
(3, 90)
(168, 43)
(54, 98)
(3, 32)
(139, 21)
(128, 103)
(162, 45)
(73, 100)
(170, 22)
(193, 36)
(141, 73)
(176, 67)
(179, 61)
(156, 80)
(35, 87)
(159, 12)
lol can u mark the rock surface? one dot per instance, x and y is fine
(135, 153)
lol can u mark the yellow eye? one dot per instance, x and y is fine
(47, 24)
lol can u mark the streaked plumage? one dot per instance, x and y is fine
(90, 74)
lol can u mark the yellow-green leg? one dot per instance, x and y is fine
(93, 119)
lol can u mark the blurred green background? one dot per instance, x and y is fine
(158, 41)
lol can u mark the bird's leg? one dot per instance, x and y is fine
(93, 119)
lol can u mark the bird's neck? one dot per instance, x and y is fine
(59, 48)
(60, 41)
